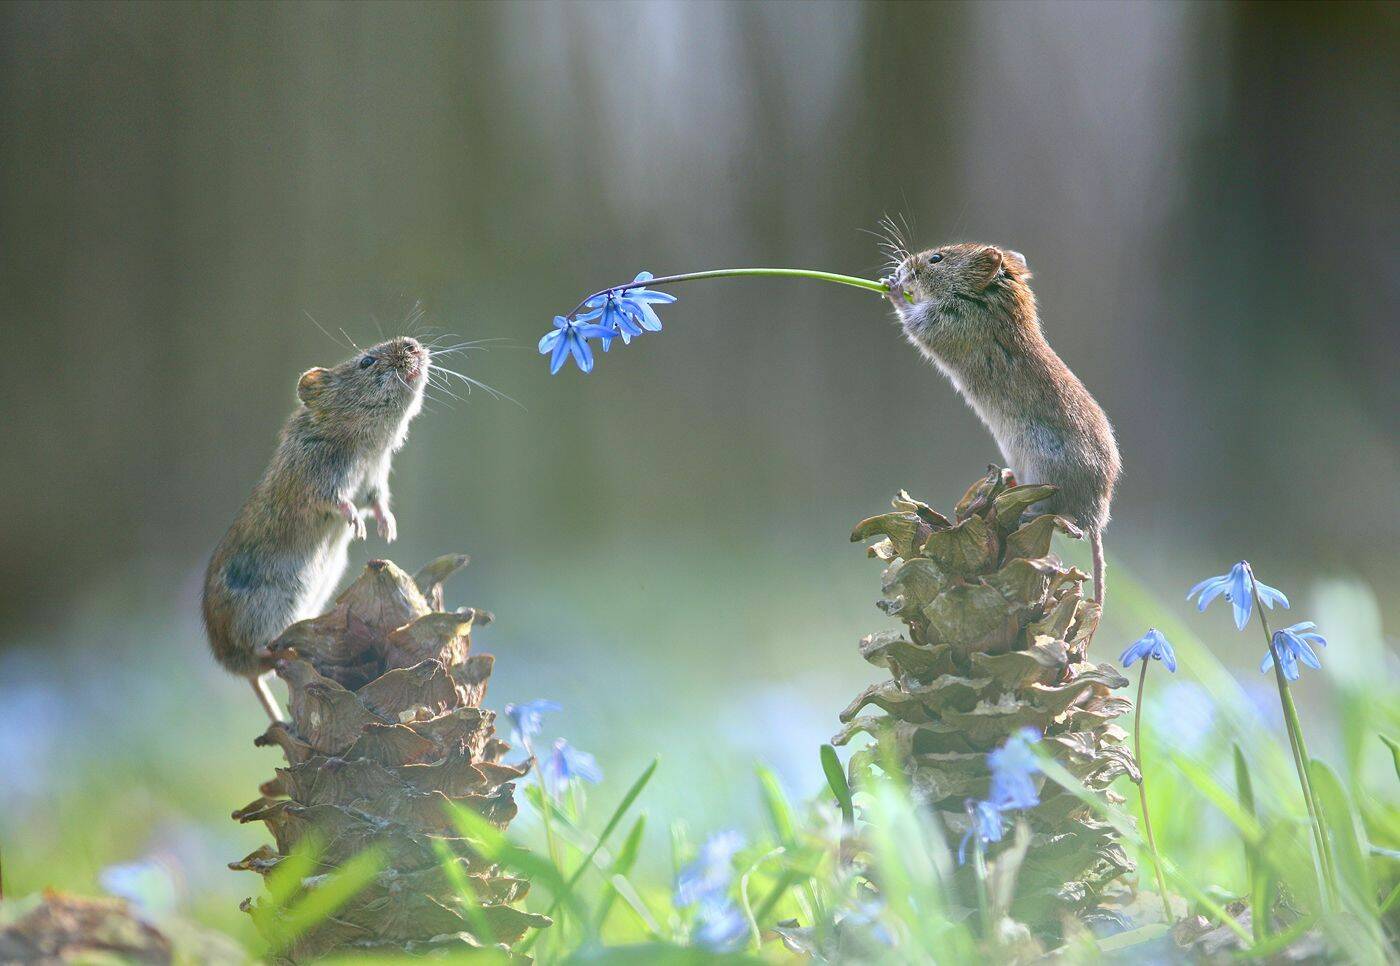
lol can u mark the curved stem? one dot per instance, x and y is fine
(1142, 795)
(1300, 750)
(869, 285)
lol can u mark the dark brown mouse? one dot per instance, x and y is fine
(287, 548)
(970, 309)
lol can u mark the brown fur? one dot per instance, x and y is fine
(973, 314)
(286, 550)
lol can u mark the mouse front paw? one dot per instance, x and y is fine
(354, 519)
(388, 526)
(894, 291)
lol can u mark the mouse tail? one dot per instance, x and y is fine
(1096, 545)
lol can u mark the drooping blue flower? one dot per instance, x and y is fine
(986, 826)
(626, 312)
(1293, 644)
(1012, 766)
(1237, 586)
(719, 926)
(527, 719)
(566, 763)
(570, 337)
(1152, 644)
(708, 877)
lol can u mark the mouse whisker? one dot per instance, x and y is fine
(490, 390)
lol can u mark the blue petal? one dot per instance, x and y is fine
(561, 352)
(1267, 663)
(1168, 656)
(1208, 582)
(549, 339)
(1131, 654)
(650, 320)
(1212, 589)
(1270, 595)
(589, 316)
(644, 277)
(650, 295)
(1242, 609)
(583, 355)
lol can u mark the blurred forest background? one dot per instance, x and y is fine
(1206, 193)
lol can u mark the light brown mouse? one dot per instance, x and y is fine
(287, 548)
(970, 310)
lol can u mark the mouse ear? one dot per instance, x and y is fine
(312, 383)
(985, 265)
(1016, 261)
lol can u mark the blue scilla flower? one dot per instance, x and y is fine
(986, 826)
(527, 719)
(1294, 644)
(1152, 644)
(566, 763)
(1237, 586)
(708, 877)
(570, 338)
(1012, 766)
(719, 926)
(626, 312)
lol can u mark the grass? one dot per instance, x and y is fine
(1230, 822)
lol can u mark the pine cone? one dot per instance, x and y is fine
(386, 730)
(996, 640)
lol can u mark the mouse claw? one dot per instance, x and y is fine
(388, 526)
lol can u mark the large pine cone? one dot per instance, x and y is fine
(386, 731)
(996, 636)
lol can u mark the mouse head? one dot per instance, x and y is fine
(964, 270)
(384, 381)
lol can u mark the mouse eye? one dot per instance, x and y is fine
(935, 258)
(366, 362)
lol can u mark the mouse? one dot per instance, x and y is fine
(288, 546)
(969, 309)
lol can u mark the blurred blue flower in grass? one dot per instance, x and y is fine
(566, 763)
(148, 884)
(719, 926)
(1238, 587)
(712, 870)
(1012, 766)
(986, 821)
(625, 313)
(1294, 644)
(528, 719)
(570, 337)
(1150, 645)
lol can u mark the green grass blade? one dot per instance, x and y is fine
(1123, 824)
(328, 895)
(836, 780)
(1348, 838)
(622, 866)
(779, 809)
(1394, 752)
(1261, 900)
(471, 907)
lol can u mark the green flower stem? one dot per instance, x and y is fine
(1142, 794)
(870, 285)
(1294, 728)
(979, 867)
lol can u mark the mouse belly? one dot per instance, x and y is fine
(255, 591)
